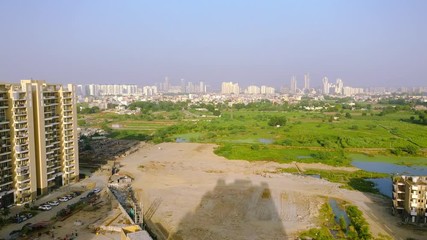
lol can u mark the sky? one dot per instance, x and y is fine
(363, 42)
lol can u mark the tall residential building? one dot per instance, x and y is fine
(325, 84)
(149, 90)
(252, 89)
(339, 85)
(39, 151)
(18, 183)
(410, 198)
(230, 88)
(267, 90)
(293, 84)
(306, 81)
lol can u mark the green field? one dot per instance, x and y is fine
(327, 137)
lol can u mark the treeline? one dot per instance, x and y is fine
(158, 106)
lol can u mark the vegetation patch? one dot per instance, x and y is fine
(355, 180)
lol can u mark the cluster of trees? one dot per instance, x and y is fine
(422, 117)
(88, 110)
(359, 228)
(277, 121)
(158, 106)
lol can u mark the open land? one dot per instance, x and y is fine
(188, 192)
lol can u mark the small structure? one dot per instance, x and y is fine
(410, 198)
(134, 232)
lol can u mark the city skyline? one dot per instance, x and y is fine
(367, 44)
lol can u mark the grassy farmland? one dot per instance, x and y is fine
(328, 137)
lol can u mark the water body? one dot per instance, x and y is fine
(338, 212)
(384, 185)
(265, 140)
(181, 140)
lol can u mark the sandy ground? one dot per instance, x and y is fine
(190, 193)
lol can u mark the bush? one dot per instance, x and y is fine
(277, 121)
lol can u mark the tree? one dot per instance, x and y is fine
(277, 121)
(5, 212)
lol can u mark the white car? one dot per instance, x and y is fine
(53, 203)
(96, 190)
(63, 199)
(45, 207)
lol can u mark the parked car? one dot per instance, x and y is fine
(20, 218)
(53, 203)
(69, 196)
(45, 207)
(77, 193)
(29, 215)
(96, 190)
(63, 199)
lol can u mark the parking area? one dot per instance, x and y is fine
(41, 212)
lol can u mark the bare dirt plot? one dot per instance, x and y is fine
(189, 192)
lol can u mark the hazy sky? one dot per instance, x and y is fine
(364, 42)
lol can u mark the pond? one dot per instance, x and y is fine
(338, 212)
(384, 185)
(181, 140)
(265, 140)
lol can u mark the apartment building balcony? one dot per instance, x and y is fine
(4, 128)
(24, 186)
(23, 179)
(5, 151)
(22, 168)
(415, 188)
(21, 142)
(20, 112)
(19, 106)
(413, 204)
(50, 104)
(21, 120)
(21, 135)
(21, 149)
(5, 137)
(5, 160)
(69, 146)
(24, 158)
(413, 213)
(51, 178)
(21, 127)
(414, 196)
(3, 105)
(3, 121)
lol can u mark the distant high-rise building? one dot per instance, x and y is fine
(253, 90)
(293, 84)
(339, 86)
(325, 83)
(306, 81)
(38, 140)
(267, 90)
(165, 85)
(202, 87)
(183, 90)
(230, 88)
(149, 90)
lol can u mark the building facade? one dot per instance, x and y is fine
(410, 198)
(38, 139)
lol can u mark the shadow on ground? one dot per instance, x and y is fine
(239, 210)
